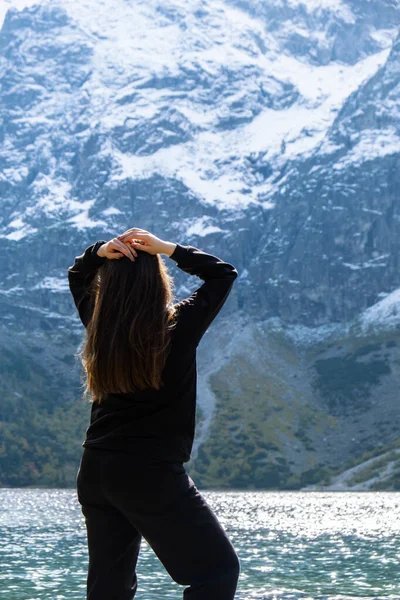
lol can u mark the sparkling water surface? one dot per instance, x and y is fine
(291, 545)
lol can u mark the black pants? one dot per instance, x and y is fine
(123, 499)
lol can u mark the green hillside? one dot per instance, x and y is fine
(285, 416)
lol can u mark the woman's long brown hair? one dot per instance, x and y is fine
(128, 336)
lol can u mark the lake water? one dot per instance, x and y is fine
(291, 545)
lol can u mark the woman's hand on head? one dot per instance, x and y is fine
(142, 240)
(116, 248)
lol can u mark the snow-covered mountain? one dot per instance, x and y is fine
(265, 132)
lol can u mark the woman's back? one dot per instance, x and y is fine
(160, 423)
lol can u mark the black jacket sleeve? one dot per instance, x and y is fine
(198, 311)
(81, 275)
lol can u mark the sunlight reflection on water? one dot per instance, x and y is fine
(292, 546)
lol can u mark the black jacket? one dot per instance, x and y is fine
(157, 423)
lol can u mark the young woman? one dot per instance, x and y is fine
(139, 359)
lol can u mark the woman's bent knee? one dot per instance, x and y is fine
(235, 567)
(226, 573)
(229, 571)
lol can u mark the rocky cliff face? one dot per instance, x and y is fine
(267, 133)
